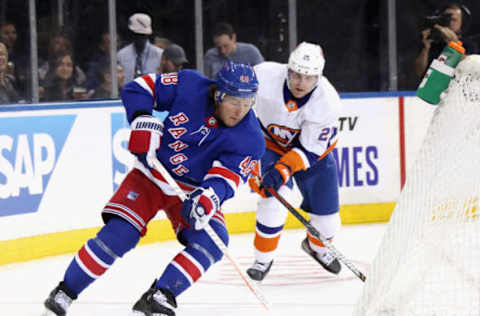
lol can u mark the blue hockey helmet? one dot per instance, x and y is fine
(237, 80)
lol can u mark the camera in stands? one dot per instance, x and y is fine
(440, 19)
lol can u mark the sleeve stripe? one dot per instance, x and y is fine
(304, 158)
(147, 83)
(274, 147)
(229, 176)
(329, 149)
(295, 159)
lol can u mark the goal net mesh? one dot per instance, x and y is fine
(428, 262)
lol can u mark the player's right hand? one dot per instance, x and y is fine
(200, 207)
(275, 177)
(145, 135)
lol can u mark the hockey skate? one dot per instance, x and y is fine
(327, 260)
(259, 270)
(58, 301)
(155, 302)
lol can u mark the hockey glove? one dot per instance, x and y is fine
(254, 182)
(200, 207)
(283, 169)
(145, 135)
(276, 177)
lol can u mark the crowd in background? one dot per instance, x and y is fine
(66, 72)
(61, 78)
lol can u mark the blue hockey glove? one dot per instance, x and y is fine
(276, 177)
(145, 135)
(200, 207)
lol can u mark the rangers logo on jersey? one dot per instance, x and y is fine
(212, 122)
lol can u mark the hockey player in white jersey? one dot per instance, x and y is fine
(298, 110)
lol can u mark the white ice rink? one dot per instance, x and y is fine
(296, 285)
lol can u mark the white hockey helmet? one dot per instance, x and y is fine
(307, 59)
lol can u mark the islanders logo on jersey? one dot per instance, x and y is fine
(281, 134)
(291, 105)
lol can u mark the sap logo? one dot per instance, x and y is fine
(282, 134)
(122, 159)
(29, 150)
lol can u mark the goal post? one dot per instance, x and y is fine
(428, 262)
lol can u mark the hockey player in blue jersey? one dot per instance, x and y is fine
(209, 142)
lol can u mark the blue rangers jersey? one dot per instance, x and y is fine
(196, 149)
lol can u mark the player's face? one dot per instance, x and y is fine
(232, 110)
(300, 84)
(225, 44)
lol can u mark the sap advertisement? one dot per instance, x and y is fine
(59, 164)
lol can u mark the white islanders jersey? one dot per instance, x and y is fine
(310, 128)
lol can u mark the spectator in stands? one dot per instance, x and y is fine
(101, 57)
(104, 77)
(435, 38)
(227, 48)
(8, 92)
(59, 45)
(161, 42)
(173, 59)
(8, 36)
(18, 65)
(140, 57)
(60, 82)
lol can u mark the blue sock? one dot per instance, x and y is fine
(98, 254)
(190, 264)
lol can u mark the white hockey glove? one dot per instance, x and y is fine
(200, 207)
(145, 135)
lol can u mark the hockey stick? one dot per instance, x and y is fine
(213, 235)
(312, 230)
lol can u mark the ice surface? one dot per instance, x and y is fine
(296, 284)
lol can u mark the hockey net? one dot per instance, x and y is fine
(428, 262)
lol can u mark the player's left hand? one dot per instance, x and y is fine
(200, 207)
(255, 182)
(276, 177)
